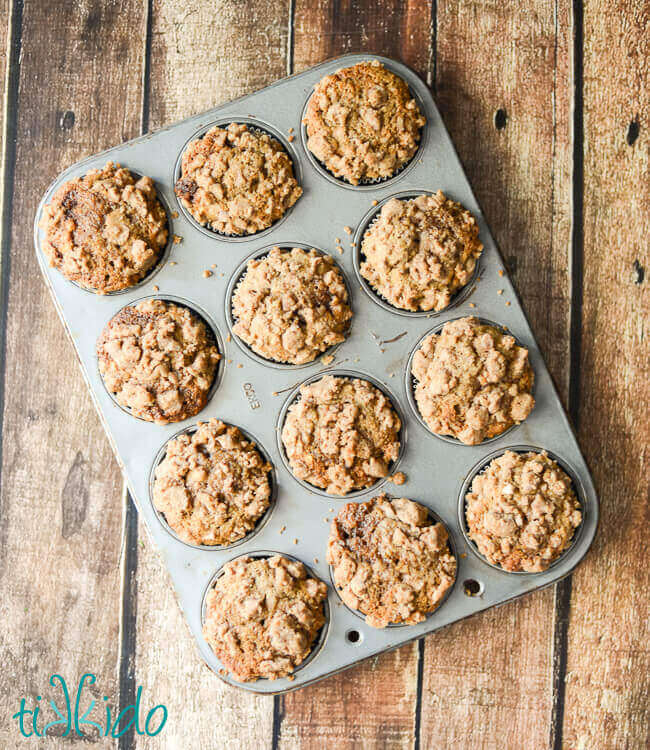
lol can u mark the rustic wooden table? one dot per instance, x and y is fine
(547, 103)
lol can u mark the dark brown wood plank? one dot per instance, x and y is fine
(61, 489)
(373, 705)
(200, 58)
(608, 660)
(504, 91)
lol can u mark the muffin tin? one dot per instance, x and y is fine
(379, 345)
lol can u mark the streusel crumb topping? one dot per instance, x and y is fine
(522, 511)
(474, 381)
(263, 616)
(212, 485)
(291, 305)
(391, 560)
(105, 230)
(159, 360)
(362, 122)
(418, 253)
(237, 181)
(342, 434)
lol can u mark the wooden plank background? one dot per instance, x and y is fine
(548, 106)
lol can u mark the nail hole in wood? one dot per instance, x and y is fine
(471, 587)
(66, 120)
(500, 119)
(639, 272)
(633, 132)
(353, 637)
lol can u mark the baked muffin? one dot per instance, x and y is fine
(237, 181)
(473, 381)
(418, 253)
(341, 434)
(263, 616)
(105, 230)
(362, 123)
(391, 560)
(522, 511)
(291, 305)
(159, 360)
(213, 485)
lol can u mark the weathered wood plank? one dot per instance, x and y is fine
(61, 513)
(608, 664)
(503, 89)
(201, 55)
(373, 705)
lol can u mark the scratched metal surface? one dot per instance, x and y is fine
(436, 468)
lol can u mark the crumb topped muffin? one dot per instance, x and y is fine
(213, 485)
(418, 253)
(237, 181)
(362, 123)
(391, 560)
(105, 230)
(159, 360)
(263, 616)
(341, 434)
(291, 305)
(522, 511)
(473, 381)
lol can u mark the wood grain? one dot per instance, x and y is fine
(608, 677)
(503, 88)
(61, 515)
(201, 55)
(373, 705)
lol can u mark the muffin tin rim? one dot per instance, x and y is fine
(238, 275)
(261, 521)
(360, 232)
(452, 548)
(482, 465)
(319, 643)
(202, 315)
(410, 386)
(352, 375)
(253, 123)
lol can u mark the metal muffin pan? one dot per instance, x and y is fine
(436, 469)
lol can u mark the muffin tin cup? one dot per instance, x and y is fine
(482, 465)
(364, 226)
(379, 182)
(257, 126)
(154, 270)
(239, 274)
(452, 548)
(410, 385)
(203, 316)
(261, 521)
(213, 661)
(246, 391)
(294, 396)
